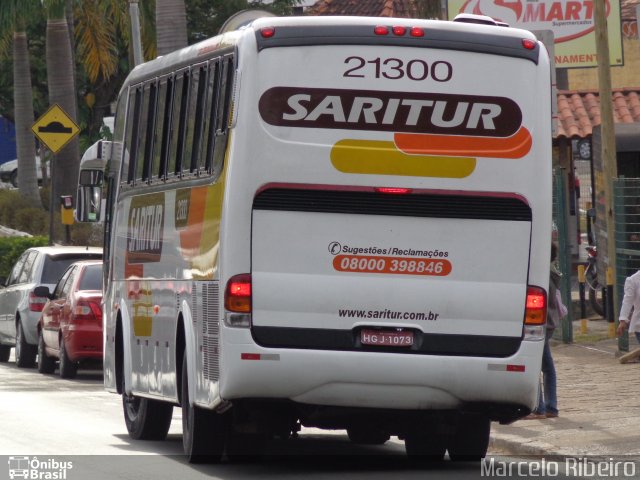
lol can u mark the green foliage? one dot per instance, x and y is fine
(12, 247)
(17, 214)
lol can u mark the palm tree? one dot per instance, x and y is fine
(171, 25)
(14, 15)
(102, 34)
(62, 91)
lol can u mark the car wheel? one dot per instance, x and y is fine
(203, 431)
(14, 178)
(68, 369)
(146, 419)
(25, 353)
(5, 351)
(46, 364)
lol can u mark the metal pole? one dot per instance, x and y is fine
(583, 302)
(51, 185)
(608, 139)
(135, 32)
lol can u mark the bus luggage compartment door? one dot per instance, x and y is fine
(366, 273)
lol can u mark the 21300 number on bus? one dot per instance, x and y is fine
(393, 265)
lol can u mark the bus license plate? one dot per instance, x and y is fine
(386, 339)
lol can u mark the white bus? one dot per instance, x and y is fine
(333, 222)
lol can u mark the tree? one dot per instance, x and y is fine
(205, 17)
(62, 91)
(14, 16)
(171, 25)
(429, 9)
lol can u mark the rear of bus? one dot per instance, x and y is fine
(388, 212)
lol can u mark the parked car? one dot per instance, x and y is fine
(20, 307)
(9, 171)
(70, 327)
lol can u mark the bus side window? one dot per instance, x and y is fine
(158, 139)
(179, 122)
(131, 138)
(213, 94)
(165, 135)
(196, 113)
(222, 120)
(145, 146)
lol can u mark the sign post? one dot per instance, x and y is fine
(54, 129)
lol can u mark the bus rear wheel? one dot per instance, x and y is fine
(471, 439)
(203, 431)
(146, 419)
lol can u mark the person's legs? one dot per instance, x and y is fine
(549, 379)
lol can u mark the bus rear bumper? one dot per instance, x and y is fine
(381, 380)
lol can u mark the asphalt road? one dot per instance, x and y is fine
(55, 421)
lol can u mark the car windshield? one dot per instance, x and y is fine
(54, 267)
(91, 278)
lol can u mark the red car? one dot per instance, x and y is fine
(70, 328)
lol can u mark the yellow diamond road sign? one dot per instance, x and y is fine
(55, 128)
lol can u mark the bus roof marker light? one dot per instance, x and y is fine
(381, 30)
(267, 32)
(529, 44)
(399, 31)
(416, 32)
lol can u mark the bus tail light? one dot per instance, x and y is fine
(529, 44)
(535, 316)
(36, 304)
(237, 301)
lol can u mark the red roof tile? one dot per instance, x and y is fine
(579, 110)
(628, 9)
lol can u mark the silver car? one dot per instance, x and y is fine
(20, 308)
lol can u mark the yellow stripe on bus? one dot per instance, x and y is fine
(383, 158)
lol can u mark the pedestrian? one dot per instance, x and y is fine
(556, 310)
(630, 310)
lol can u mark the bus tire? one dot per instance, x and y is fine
(425, 447)
(146, 419)
(203, 431)
(5, 352)
(367, 436)
(470, 441)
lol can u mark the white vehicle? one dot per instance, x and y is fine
(333, 222)
(9, 171)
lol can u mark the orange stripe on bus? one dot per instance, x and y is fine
(515, 146)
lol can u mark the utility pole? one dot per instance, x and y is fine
(135, 32)
(609, 160)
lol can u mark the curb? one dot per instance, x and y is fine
(515, 445)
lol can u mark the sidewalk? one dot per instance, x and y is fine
(598, 399)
